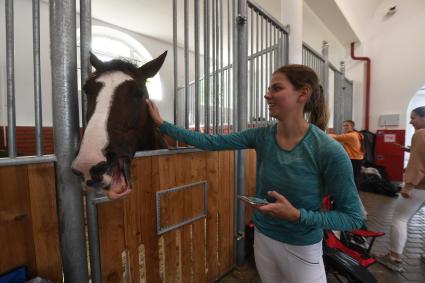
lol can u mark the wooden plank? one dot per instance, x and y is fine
(133, 227)
(111, 236)
(211, 233)
(148, 182)
(45, 228)
(167, 180)
(183, 176)
(198, 170)
(15, 220)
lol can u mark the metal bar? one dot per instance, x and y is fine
(197, 88)
(214, 67)
(161, 230)
(251, 69)
(242, 77)
(92, 218)
(206, 66)
(37, 77)
(261, 74)
(217, 68)
(253, 5)
(27, 160)
(10, 73)
(175, 62)
(186, 64)
(85, 48)
(66, 134)
(221, 97)
(257, 73)
(228, 65)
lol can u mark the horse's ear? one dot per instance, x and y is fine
(150, 69)
(95, 62)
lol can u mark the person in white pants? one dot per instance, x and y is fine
(413, 193)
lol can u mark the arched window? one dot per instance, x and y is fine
(108, 44)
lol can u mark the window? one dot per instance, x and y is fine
(108, 44)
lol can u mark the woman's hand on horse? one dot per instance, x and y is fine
(153, 110)
(282, 208)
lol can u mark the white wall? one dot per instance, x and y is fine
(396, 47)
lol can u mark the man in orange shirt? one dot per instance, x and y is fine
(352, 141)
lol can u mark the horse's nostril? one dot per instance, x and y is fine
(90, 183)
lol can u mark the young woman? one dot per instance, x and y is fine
(297, 164)
(413, 192)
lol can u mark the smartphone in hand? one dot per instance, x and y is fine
(253, 200)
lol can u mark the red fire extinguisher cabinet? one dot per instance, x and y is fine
(388, 153)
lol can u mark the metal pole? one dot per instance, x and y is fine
(197, 88)
(37, 77)
(325, 71)
(186, 64)
(207, 66)
(10, 67)
(242, 78)
(66, 134)
(175, 66)
(92, 223)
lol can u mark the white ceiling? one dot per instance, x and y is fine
(154, 17)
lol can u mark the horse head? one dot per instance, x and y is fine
(118, 125)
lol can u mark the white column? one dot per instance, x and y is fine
(292, 15)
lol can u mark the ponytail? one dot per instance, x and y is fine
(317, 109)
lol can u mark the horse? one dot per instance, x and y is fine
(118, 125)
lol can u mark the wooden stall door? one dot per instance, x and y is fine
(28, 221)
(131, 250)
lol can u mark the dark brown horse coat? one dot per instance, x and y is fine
(118, 125)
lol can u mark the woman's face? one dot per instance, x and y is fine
(281, 96)
(417, 121)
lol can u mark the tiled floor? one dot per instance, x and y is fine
(380, 209)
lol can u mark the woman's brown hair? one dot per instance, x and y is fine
(300, 76)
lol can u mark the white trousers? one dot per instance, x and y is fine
(405, 209)
(278, 262)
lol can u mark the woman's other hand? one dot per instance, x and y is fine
(282, 208)
(153, 110)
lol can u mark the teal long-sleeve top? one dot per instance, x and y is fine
(316, 166)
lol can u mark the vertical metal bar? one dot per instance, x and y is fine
(37, 77)
(251, 70)
(206, 65)
(229, 31)
(92, 219)
(325, 71)
(10, 70)
(217, 68)
(214, 66)
(197, 88)
(221, 68)
(175, 62)
(66, 135)
(261, 72)
(242, 77)
(257, 73)
(186, 64)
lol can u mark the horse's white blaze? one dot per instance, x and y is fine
(96, 134)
